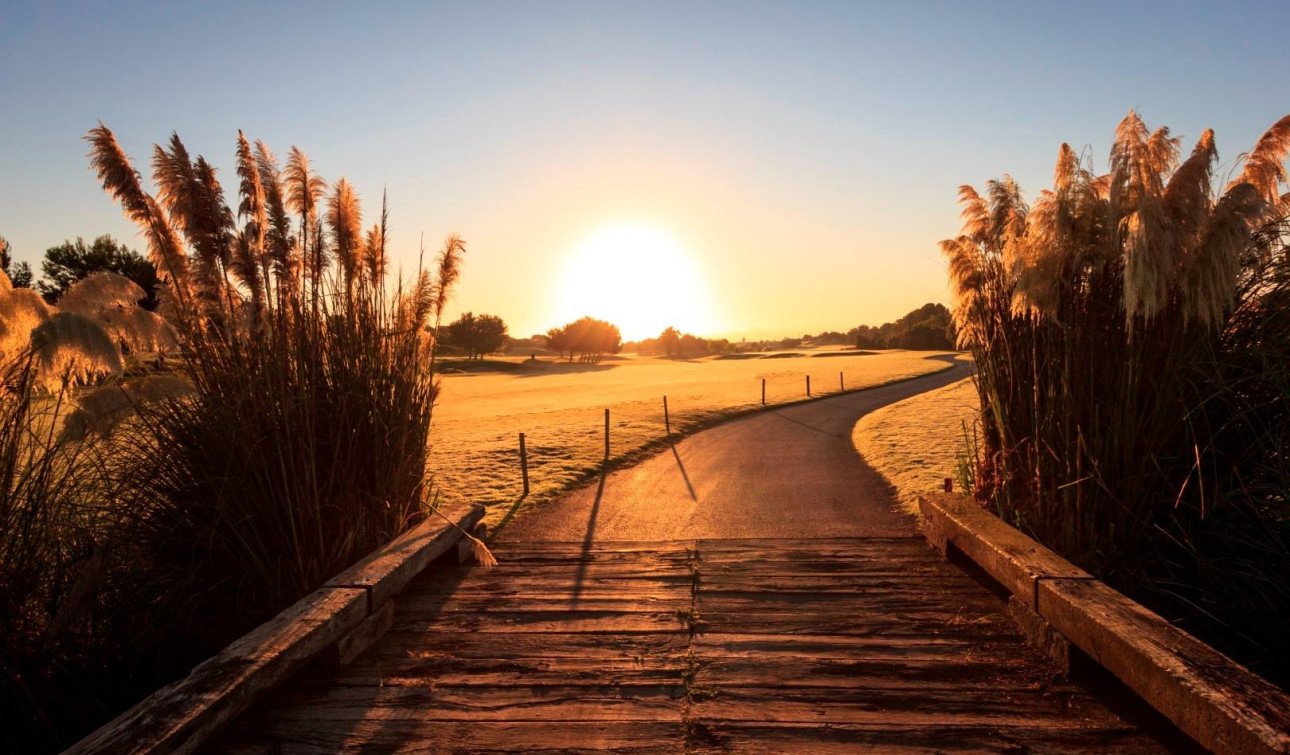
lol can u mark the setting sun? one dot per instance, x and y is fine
(638, 278)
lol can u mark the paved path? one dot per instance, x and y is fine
(787, 472)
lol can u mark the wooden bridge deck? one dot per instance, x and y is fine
(695, 646)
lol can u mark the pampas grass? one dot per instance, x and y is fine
(1132, 371)
(148, 522)
(71, 348)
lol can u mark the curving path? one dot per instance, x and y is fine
(784, 472)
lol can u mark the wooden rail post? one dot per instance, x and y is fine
(667, 420)
(524, 464)
(606, 434)
(763, 391)
(808, 386)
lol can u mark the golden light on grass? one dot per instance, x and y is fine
(475, 455)
(637, 277)
(915, 444)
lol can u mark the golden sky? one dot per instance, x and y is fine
(739, 169)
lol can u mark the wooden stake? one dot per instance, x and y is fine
(763, 391)
(808, 386)
(841, 386)
(667, 420)
(606, 434)
(524, 464)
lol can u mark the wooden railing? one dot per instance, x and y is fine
(1211, 698)
(335, 622)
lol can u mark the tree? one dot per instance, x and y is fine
(20, 273)
(587, 336)
(71, 261)
(477, 335)
(670, 340)
(558, 340)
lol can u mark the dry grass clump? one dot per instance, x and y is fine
(916, 443)
(169, 514)
(1131, 336)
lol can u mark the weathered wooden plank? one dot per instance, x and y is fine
(841, 571)
(433, 737)
(948, 706)
(543, 621)
(549, 603)
(900, 624)
(808, 544)
(468, 702)
(926, 673)
(389, 569)
(503, 672)
(1216, 701)
(177, 718)
(843, 593)
(532, 558)
(842, 647)
(525, 587)
(755, 738)
(551, 645)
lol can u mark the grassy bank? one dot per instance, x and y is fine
(916, 443)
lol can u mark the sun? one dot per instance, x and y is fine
(638, 278)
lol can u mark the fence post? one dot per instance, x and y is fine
(808, 386)
(841, 385)
(606, 434)
(667, 420)
(763, 391)
(524, 464)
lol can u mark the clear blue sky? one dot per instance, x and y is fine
(804, 155)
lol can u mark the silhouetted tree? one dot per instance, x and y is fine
(20, 273)
(669, 340)
(557, 339)
(71, 261)
(588, 337)
(477, 335)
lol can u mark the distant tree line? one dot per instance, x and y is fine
(587, 338)
(671, 342)
(926, 328)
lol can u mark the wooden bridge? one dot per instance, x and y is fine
(835, 627)
(698, 646)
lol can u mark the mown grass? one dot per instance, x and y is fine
(475, 449)
(916, 443)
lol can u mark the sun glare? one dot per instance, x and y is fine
(637, 278)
